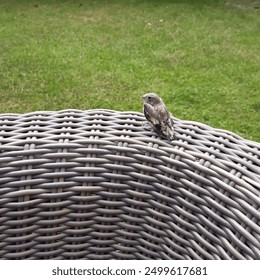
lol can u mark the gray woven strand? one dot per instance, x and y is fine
(96, 185)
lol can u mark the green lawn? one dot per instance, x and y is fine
(201, 57)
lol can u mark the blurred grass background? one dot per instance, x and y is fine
(202, 57)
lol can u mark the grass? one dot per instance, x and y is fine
(202, 57)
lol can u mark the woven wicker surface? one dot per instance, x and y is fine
(96, 185)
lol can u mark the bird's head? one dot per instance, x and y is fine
(152, 99)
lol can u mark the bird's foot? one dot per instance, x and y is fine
(147, 126)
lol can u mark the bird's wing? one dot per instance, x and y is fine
(151, 114)
(161, 120)
(162, 113)
(166, 122)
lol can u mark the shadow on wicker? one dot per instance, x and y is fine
(96, 185)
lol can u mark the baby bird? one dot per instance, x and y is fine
(157, 115)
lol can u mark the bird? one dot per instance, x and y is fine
(158, 116)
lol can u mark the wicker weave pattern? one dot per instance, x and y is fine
(96, 185)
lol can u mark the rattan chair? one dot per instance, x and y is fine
(96, 185)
